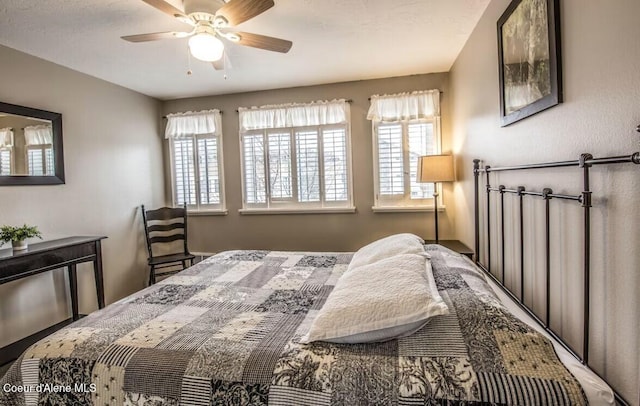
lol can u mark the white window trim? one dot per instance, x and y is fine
(322, 210)
(404, 204)
(197, 209)
(208, 212)
(289, 206)
(407, 209)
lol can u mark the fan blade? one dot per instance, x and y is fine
(166, 8)
(264, 42)
(155, 36)
(239, 11)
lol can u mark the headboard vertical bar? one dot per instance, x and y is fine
(547, 231)
(521, 190)
(502, 239)
(586, 204)
(488, 185)
(476, 174)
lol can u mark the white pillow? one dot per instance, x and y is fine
(386, 247)
(388, 299)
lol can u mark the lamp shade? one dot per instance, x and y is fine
(435, 168)
(206, 47)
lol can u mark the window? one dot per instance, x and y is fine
(6, 148)
(405, 127)
(196, 160)
(296, 157)
(5, 161)
(40, 160)
(39, 150)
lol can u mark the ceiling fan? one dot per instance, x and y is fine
(211, 20)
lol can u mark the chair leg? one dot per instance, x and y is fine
(152, 275)
(184, 264)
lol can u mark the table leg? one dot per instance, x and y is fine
(97, 271)
(73, 287)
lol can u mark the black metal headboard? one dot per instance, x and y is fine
(584, 164)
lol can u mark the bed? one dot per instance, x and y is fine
(236, 329)
(226, 332)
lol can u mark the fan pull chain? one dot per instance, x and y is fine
(225, 59)
(189, 71)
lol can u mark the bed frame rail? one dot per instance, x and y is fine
(584, 164)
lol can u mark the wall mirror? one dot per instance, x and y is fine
(30, 146)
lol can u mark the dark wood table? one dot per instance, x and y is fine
(47, 256)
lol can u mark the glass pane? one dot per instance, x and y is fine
(35, 161)
(280, 179)
(421, 142)
(390, 160)
(254, 172)
(5, 162)
(334, 144)
(208, 166)
(308, 166)
(184, 168)
(48, 154)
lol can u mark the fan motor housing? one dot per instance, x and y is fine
(199, 6)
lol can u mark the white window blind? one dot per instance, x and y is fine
(5, 162)
(308, 165)
(280, 180)
(209, 171)
(40, 160)
(196, 156)
(254, 169)
(334, 148)
(184, 172)
(421, 142)
(390, 159)
(405, 127)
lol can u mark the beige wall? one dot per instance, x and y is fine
(601, 57)
(113, 162)
(320, 232)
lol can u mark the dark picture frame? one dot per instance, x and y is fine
(529, 55)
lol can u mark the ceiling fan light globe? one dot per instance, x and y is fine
(206, 47)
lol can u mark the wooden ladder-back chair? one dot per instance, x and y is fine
(161, 227)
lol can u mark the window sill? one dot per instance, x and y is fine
(404, 209)
(208, 212)
(320, 210)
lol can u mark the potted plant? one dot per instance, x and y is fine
(18, 235)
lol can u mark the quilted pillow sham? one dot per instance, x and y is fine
(391, 298)
(396, 244)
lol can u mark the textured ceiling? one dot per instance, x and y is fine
(333, 41)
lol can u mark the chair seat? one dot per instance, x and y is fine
(165, 259)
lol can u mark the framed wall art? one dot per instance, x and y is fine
(530, 59)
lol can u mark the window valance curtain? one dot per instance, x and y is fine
(294, 115)
(6, 137)
(38, 135)
(180, 125)
(423, 104)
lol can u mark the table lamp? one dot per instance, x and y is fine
(435, 169)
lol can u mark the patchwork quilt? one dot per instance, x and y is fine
(226, 332)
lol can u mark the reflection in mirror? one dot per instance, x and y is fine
(26, 146)
(30, 146)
